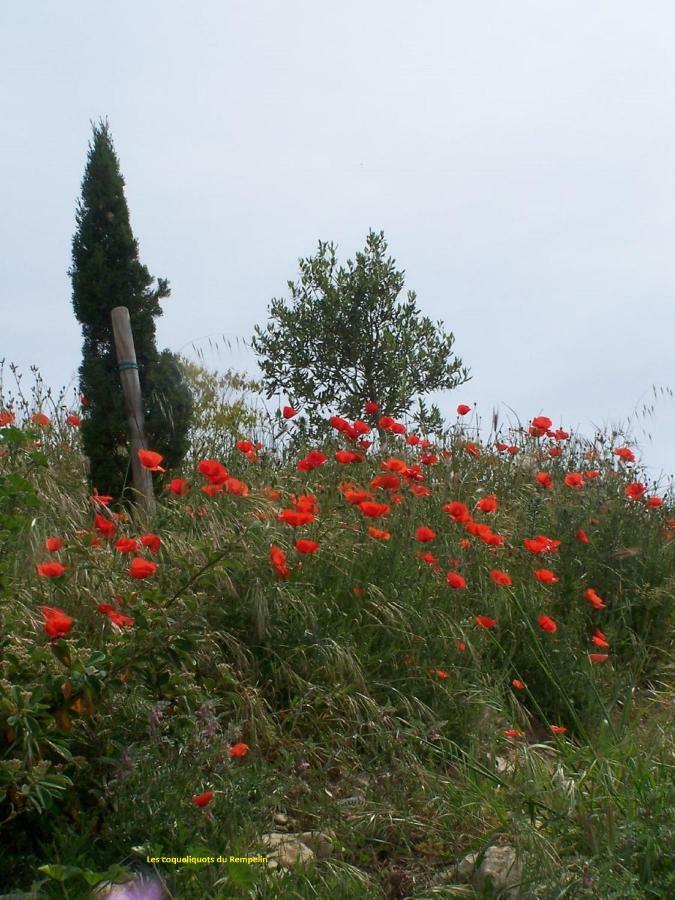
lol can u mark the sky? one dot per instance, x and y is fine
(519, 157)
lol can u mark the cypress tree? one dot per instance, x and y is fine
(106, 272)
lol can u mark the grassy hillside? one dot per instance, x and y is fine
(420, 651)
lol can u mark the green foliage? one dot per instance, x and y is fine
(106, 272)
(345, 338)
(373, 705)
(18, 499)
(222, 410)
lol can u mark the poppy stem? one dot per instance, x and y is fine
(198, 574)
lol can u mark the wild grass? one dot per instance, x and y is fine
(374, 706)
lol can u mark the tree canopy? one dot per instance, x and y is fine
(345, 337)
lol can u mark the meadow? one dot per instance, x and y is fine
(407, 650)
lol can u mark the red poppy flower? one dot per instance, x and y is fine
(235, 486)
(636, 490)
(457, 511)
(542, 422)
(439, 673)
(312, 460)
(151, 460)
(486, 621)
(518, 684)
(574, 480)
(424, 535)
(514, 451)
(151, 541)
(595, 601)
(378, 533)
(40, 419)
(374, 510)
(471, 449)
(117, 618)
(600, 639)
(547, 624)
(288, 412)
(360, 427)
(214, 471)
(295, 517)
(654, 501)
(393, 464)
(557, 729)
(461, 646)
(545, 576)
(598, 657)
(371, 407)
(513, 733)
(501, 578)
(388, 482)
(305, 503)
(53, 544)
(344, 457)
(581, 536)
(202, 800)
(244, 446)
(278, 560)
(50, 569)
(102, 499)
(126, 545)
(541, 544)
(141, 568)
(57, 622)
(239, 750)
(463, 409)
(212, 489)
(624, 453)
(306, 546)
(544, 479)
(73, 420)
(591, 474)
(429, 558)
(6, 418)
(104, 525)
(338, 423)
(455, 580)
(355, 496)
(560, 435)
(178, 486)
(488, 504)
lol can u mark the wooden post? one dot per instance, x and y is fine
(133, 404)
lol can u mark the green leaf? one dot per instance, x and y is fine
(60, 873)
(241, 873)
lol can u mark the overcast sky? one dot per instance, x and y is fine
(519, 156)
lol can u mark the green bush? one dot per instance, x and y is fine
(372, 702)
